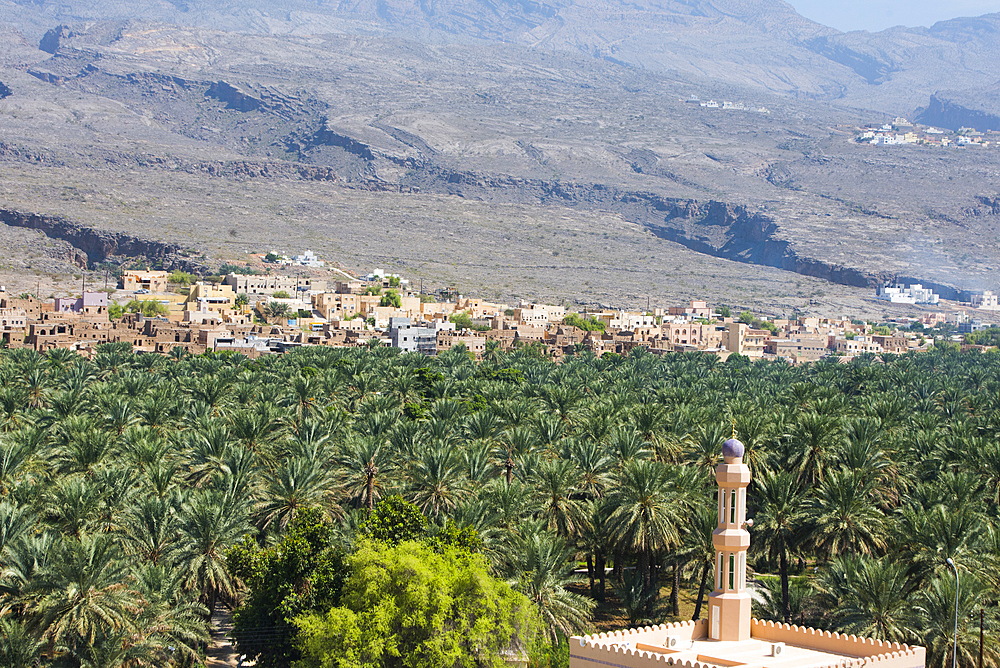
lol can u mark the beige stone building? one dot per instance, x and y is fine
(740, 338)
(693, 334)
(211, 297)
(267, 285)
(695, 309)
(799, 349)
(154, 281)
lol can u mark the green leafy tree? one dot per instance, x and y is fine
(182, 278)
(462, 320)
(391, 298)
(411, 605)
(301, 574)
(150, 308)
(590, 324)
(394, 520)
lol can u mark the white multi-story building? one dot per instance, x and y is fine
(985, 300)
(913, 294)
(629, 321)
(308, 259)
(538, 314)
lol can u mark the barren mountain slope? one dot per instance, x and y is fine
(125, 108)
(762, 43)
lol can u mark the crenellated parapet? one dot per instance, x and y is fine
(882, 653)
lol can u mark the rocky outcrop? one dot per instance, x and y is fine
(985, 206)
(720, 229)
(266, 99)
(4, 90)
(953, 115)
(51, 39)
(234, 97)
(96, 246)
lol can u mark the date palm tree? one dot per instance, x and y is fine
(210, 523)
(18, 647)
(150, 528)
(934, 607)
(842, 517)
(85, 591)
(698, 544)
(297, 483)
(276, 311)
(540, 567)
(813, 438)
(644, 513)
(777, 500)
(436, 483)
(558, 485)
(873, 598)
(363, 467)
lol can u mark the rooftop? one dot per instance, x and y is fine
(800, 647)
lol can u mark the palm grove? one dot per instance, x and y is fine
(315, 492)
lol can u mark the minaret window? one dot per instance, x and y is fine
(718, 572)
(732, 570)
(732, 507)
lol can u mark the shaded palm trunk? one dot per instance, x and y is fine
(371, 471)
(675, 607)
(645, 571)
(590, 574)
(701, 592)
(602, 577)
(783, 573)
(617, 570)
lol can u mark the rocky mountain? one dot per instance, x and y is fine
(761, 43)
(503, 145)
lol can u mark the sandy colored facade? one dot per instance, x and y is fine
(154, 281)
(740, 338)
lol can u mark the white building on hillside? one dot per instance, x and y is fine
(309, 259)
(913, 294)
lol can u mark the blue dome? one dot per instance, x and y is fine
(732, 449)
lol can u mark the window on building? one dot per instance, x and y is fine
(732, 507)
(732, 570)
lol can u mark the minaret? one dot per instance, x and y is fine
(729, 604)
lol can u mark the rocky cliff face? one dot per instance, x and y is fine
(96, 246)
(50, 40)
(720, 229)
(953, 115)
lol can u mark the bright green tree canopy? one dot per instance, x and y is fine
(411, 605)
